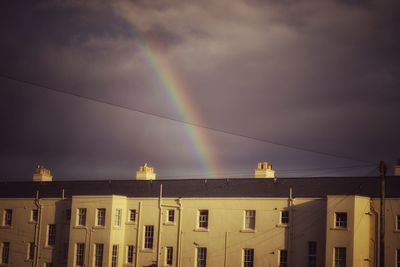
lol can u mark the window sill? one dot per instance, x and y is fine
(339, 229)
(32, 222)
(169, 224)
(49, 247)
(28, 260)
(80, 227)
(131, 223)
(200, 230)
(99, 227)
(282, 225)
(247, 230)
(147, 250)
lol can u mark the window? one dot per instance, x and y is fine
(283, 258)
(132, 215)
(203, 219)
(398, 257)
(340, 257)
(201, 257)
(312, 254)
(68, 215)
(340, 219)
(114, 256)
(51, 235)
(118, 214)
(31, 251)
(65, 251)
(248, 257)
(34, 215)
(284, 217)
(5, 251)
(131, 251)
(250, 219)
(82, 217)
(7, 217)
(398, 222)
(101, 217)
(171, 216)
(48, 264)
(169, 255)
(148, 236)
(80, 254)
(98, 255)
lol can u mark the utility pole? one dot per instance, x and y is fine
(382, 170)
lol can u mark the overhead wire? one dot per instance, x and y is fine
(190, 123)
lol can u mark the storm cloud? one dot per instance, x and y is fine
(319, 75)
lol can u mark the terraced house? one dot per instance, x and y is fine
(244, 222)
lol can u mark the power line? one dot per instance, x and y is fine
(193, 124)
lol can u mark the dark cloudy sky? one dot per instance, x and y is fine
(316, 74)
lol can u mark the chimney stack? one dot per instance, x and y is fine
(264, 170)
(41, 174)
(145, 173)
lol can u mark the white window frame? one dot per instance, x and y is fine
(132, 215)
(171, 216)
(130, 252)
(201, 257)
(169, 256)
(114, 256)
(101, 217)
(398, 257)
(203, 219)
(312, 254)
(81, 216)
(248, 257)
(80, 255)
(148, 237)
(338, 260)
(7, 217)
(118, 217)
(284, 217)
(341, 220)
(250, 219)
(51, 235)
(99, 255)
(30, 253)
(283, 258)
(34, 215)
(5, 253)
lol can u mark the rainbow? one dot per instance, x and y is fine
(175, 87)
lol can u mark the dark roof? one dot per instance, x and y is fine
(240, 187)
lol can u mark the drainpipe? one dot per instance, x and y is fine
(178, 252)
(376, 234)
(382, 168)
(159, 226)
(291, 230)
(37, 229)
(138, 233)
(226, 249)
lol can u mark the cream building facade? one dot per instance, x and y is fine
(243, 222)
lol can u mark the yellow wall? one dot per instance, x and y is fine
(311, 219)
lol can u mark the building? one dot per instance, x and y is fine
(248, 222)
